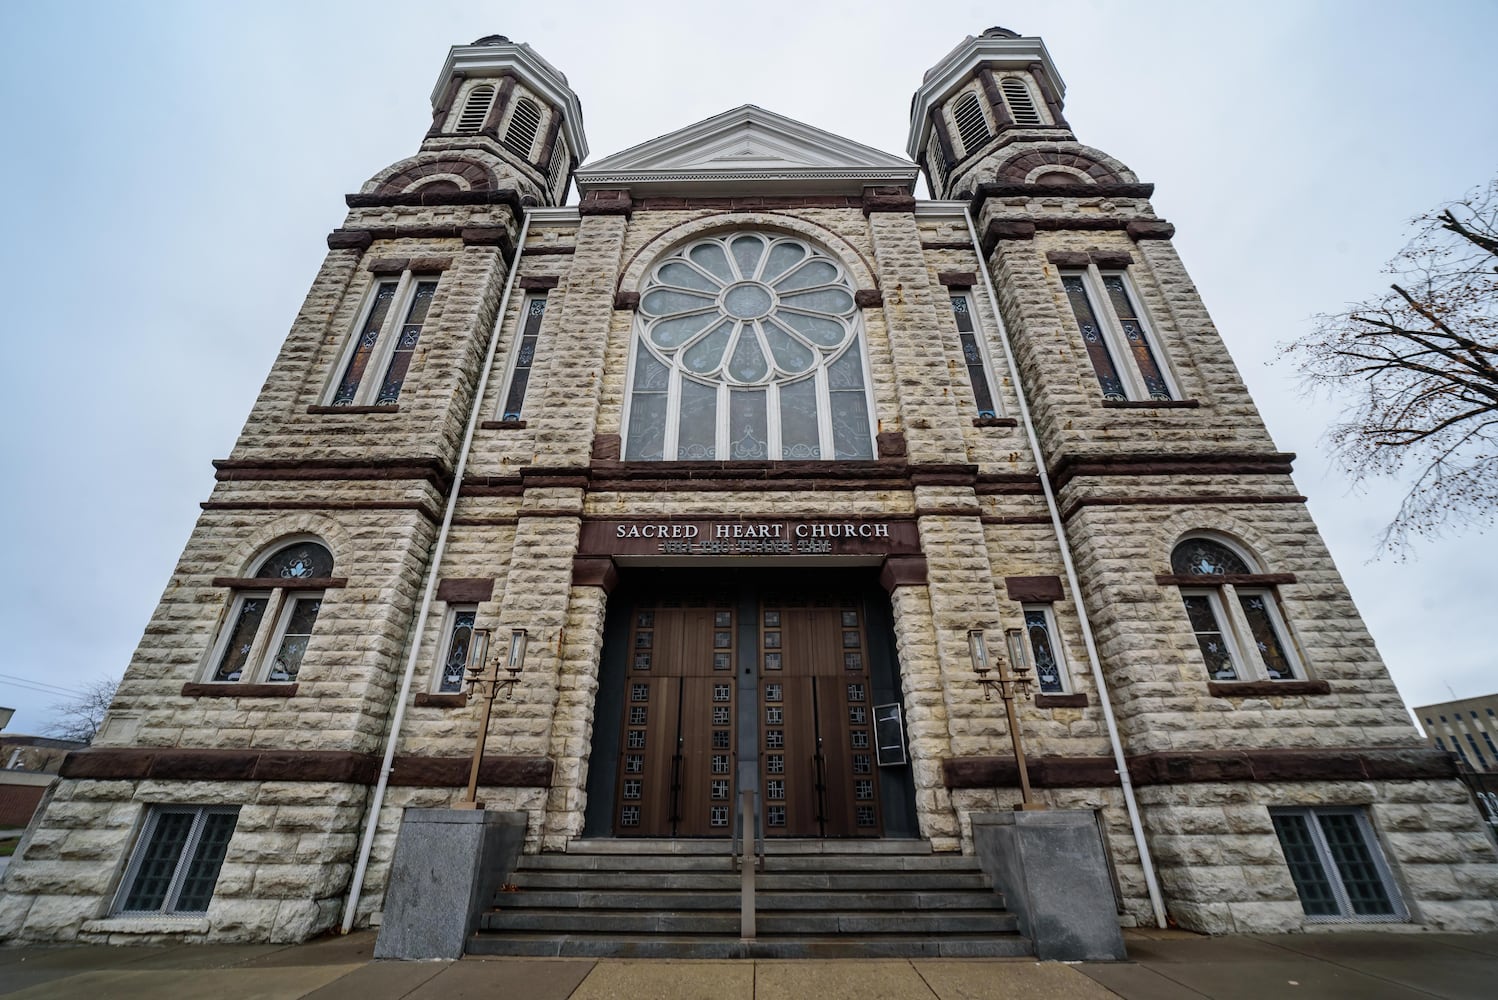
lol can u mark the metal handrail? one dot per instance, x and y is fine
(745, 839)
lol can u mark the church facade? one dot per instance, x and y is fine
(755, 472)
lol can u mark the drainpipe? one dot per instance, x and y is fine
(373, 821)
(1120, 764)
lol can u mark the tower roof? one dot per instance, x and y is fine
(996, 47)
(747, 147)
(492, 54)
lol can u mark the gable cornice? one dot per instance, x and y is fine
(664, 165)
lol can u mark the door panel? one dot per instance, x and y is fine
(816, 771)
(676, 763)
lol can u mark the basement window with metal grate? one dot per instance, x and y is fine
(176, 862)
(1021, 105)
(972, 126)
(1338, 870)
(525, 121)
(475, 109)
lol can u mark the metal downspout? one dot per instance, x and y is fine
(350, 908)
(1120, 764)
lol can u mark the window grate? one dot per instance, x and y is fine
(1021, 105)
(525, 121)
(972, 127)
(1336, 866)
(176, 863)
(476, 108)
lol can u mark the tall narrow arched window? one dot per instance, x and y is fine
(525, 120)
(271, 616)
(1021, 105)
(748, 347)
(972, 127)
(1234, 613)
(475, 108)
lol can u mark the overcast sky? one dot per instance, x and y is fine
(172, 169)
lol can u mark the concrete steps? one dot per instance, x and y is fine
(814, 899)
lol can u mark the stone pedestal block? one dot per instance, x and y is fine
(448, 865)
(1050, 867)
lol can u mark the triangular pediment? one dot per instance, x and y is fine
(747, 147)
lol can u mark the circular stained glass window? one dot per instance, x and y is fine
(748, 348)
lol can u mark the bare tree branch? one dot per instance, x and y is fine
(1418, 371)
(80, 719)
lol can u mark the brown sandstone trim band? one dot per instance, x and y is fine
(423, 196)
(136, 764)
(502, 425)
(1061, 701)
(1266, 689)
(418, 506)
(1176, 501)
(209, 690)
(543, 250)
(305, 583)
(359, 410)
(302, 470)
(466, 590)
(1217, 579)
(1166, 464)
(1204, 767)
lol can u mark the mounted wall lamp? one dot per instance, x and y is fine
(1010, 684)
(484, 681)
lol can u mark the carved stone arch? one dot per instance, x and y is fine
(858, 266)
(1231, 530)
(409, 175)
(255, 545)
(1026, 161)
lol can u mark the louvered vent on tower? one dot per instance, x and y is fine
(971, 125)
(937, 165)
(557, 172)
(1021, 106)
(476, 108)
(525, 120)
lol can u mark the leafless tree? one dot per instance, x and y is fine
(1417, 367)
(80, 718)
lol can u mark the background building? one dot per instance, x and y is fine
(747, 445)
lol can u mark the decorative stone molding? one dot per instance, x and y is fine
(466, 590)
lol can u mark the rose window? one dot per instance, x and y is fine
(748, 348)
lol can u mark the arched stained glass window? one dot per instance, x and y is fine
(1205, 557)
(300, 561)
(748, 348)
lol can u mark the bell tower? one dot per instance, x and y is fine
(991, 91)
(503, 118)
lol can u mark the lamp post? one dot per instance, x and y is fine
(484, 681)
(1010, 684)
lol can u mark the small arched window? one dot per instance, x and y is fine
(271, 616)
(1021, 105)
(972, 126)
(475, 108)
(748, 347)
(525, 121)
(1234, 613)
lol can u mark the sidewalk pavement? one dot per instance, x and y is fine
(1164, 965)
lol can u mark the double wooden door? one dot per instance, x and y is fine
(787, 693)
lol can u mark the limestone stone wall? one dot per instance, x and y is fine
(288, 862)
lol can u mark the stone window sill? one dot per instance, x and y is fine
(1151, 404)
(204, 690)
(147, 925)
(1061, 701)
(382, 408)
(1266, 689)
(995, 422)
(502, 425)
(431, 700)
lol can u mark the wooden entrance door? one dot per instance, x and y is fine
(816, 721)
(676, 754)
